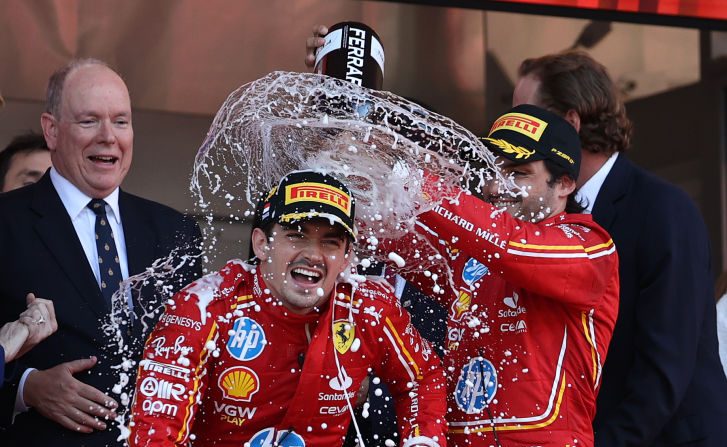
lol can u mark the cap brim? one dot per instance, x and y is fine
(308, 215)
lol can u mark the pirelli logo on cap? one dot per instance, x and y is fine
(521, 123)
(318, 192)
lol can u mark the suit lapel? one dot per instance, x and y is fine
(55, 229)
(614, 188)
(140, 238)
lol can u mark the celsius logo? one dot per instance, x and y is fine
(476, 386)
(269, 437)
(247, 340)
(239, 383)
(341, 382)
(518, 327)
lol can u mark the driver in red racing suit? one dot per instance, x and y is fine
(253, 356)
(533, 296)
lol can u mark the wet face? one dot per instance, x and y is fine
(301, 263)
(91, 142)
(26, 168)
(526, 91)
(536, 200)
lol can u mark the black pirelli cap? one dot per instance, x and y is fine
(305, 195)
(528, 133)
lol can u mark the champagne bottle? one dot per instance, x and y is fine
(353, 52)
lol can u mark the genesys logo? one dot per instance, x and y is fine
(168, 370)
(162, 389)
(178, 320)
(247, 341)
(269, 437)
(239, 383)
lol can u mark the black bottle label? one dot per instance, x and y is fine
(352, 52)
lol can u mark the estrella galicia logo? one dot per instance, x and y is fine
(476, 386)
(248, 339)
(473, 271)
(269, 437)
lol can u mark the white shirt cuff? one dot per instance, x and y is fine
(20, 406)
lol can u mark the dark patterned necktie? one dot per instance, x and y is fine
(108, 258)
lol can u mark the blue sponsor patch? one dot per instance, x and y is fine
(476, 386)
(269, 437)
(473, 271)
(247, 341)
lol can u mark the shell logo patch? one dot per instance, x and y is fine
(343, 335)
(239, 383)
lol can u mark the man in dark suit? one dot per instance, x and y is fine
(71, 237)
(662, 380)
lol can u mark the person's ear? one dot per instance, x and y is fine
(260, 244)
(574, 119)
(565, 186)
(50, 129)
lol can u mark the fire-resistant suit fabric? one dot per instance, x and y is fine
(531, 309)
(229, 365)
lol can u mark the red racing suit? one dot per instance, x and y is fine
(228, 365)
(531, 311)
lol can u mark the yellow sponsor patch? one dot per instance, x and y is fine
(318, 192)
(521, 123)
(343, 335)
(239, 383)
(519, 151)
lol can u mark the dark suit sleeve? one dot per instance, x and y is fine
(674, 291)
(2, 365)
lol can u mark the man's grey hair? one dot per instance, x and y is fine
(54, 93)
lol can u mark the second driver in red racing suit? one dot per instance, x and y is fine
(531, 304)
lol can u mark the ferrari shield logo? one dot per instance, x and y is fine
(343, 334)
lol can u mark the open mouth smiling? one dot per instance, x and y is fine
(306, 276)
(104, 159)
(502, 202)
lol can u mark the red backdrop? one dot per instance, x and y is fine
(704, 9)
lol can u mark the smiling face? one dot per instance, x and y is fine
(538, 199)
(300, 263)
(91, 142)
